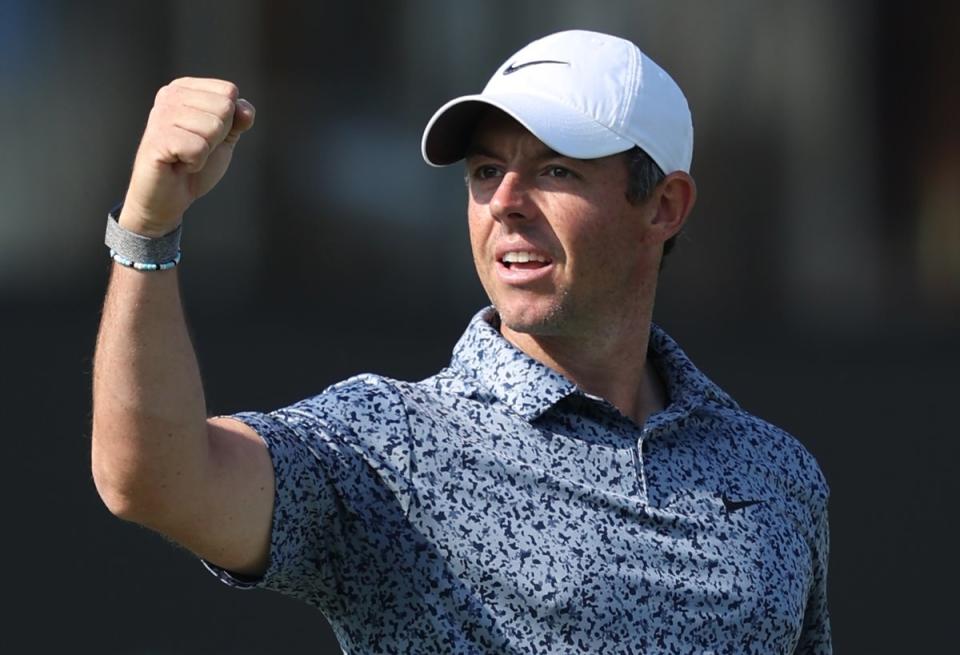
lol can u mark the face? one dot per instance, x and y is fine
(557, 246)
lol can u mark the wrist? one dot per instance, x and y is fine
(131, 219)
(140, 251)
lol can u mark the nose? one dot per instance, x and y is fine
(511, 200)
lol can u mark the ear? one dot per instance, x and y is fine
(675, 196)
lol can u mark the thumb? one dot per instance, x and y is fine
(243, 119)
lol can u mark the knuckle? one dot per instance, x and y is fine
(217, 126)
(231, 91)
(162, 95)
(168, 95)
(158, 120)
(202, 148)
(225, 108)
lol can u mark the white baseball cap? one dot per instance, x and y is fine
(584, 94)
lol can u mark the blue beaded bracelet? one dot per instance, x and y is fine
(140, 266)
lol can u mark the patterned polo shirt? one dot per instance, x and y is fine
(497, 508)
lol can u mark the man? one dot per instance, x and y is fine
(570, 483)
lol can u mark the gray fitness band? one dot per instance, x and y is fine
(137, 248)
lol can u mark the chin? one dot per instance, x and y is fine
(531, 319)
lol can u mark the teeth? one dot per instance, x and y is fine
(522, 257)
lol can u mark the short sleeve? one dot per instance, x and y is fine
(815, 637)
(305, 511)
(340, 463)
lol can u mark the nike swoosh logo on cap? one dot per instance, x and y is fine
(513, 68)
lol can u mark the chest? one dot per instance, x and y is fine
(576, 529)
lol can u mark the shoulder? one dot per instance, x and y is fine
(370, 401)
(776, 454)
(355, 405)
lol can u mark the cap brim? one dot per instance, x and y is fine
(565, 130)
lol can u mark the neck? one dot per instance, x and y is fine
(612, 365)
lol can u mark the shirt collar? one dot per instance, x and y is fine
(524, 384)
(530, 387)
(686, 385)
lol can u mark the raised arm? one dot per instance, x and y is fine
(157, 460)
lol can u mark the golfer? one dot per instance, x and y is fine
(570, 483)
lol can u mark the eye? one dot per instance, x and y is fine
(485, 172)
(559, 172)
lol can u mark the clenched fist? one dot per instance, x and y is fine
(186, 148)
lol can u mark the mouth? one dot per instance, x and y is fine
(524, 260)
(523, 267)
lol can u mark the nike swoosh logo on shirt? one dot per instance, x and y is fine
(513, 68)
(734, 505)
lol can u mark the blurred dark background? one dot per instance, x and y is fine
(819, 280)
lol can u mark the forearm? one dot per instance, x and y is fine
(149, 413)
